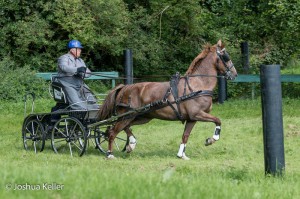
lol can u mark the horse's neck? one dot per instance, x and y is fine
(207, 79)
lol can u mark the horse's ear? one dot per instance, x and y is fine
(219, 44)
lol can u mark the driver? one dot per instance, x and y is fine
(71, 73)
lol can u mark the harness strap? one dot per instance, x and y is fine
(177, 100)
(187, 81)
(188, 84)
(178, 113)
(174, 90)
(116, 105)
(167, 93)
(164, 102)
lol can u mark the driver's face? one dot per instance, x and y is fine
(76, 52)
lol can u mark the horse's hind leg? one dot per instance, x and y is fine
(130, 145)
(187, 131)
(113, 132)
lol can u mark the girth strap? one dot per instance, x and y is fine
(178, 113)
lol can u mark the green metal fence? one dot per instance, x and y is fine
(256, 78)
(112, 75)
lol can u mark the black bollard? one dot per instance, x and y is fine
(128, 63)
(222, 90)
(245, 56)
(271, 98)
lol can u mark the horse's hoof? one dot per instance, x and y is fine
(184, 157)
(209, 141)
(109, 155)
(130, 147)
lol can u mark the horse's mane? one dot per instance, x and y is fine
(207, 48)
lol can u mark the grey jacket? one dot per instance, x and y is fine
(67, 65)
(78, 93)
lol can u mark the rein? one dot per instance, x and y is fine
(151, 107)
(156, 76)
(199, 75)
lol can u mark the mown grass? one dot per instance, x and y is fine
(231, 168)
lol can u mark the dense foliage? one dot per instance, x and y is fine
(165, 35)
(18, 82)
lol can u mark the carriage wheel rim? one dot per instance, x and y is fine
(72, 133)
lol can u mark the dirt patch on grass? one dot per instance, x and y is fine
(292, 131)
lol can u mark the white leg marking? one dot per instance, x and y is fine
(216, 135)
(181, 150)
(110, 156)
(132, 144)
(184, 157)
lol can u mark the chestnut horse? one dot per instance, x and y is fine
(201, 76)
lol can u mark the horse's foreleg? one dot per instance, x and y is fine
(187, 131)
(216, 136)
(206, 117)
(131, 142)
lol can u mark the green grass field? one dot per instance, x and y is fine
(232, 168)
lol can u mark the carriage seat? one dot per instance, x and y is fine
(58, 92)
(60, 95)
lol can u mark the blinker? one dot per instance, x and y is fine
(225, 57)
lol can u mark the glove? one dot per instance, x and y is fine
(81, 72)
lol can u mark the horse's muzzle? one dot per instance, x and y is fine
(230, 76)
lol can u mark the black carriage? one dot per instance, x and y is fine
(67, 130)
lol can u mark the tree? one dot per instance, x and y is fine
(165, 35)
(26, 33)
(271, 27)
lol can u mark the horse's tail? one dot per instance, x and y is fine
(107, 108)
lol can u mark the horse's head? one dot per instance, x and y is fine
(224, 63)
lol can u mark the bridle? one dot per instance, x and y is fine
(224, 57)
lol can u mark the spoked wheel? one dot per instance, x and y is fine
(69, 134)
(33, 134)
(101, 140)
